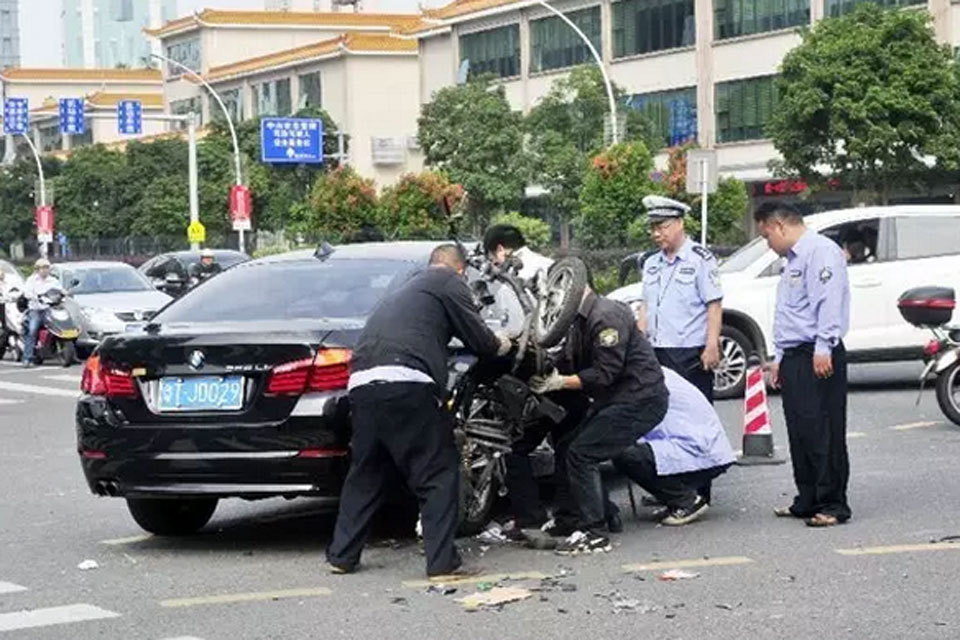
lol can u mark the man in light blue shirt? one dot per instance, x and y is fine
(678, 459)
(681, 310)
(810, 364)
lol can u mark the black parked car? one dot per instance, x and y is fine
(237, 389)
(171, 272)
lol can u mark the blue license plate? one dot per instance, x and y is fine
(201, 393)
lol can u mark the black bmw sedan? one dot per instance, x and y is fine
(237, 389)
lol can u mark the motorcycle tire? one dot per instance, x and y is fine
(68, 353)
(472, 521)
(567, 278)
(948, 402)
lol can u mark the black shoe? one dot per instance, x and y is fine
(615, 523)
(685, 515)
(584, 542)
(558, 529)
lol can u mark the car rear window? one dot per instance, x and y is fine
(291, 291)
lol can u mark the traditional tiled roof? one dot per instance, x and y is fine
(286, 18)
(351, 42)
(104, 99)
(437, 18)
(81, 75)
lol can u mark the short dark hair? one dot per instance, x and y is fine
(505, 235)
(781, 210)
(448, 254)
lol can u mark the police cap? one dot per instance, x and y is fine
(660, 208)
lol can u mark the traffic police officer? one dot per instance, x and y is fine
(810, 365)
(680, 310)
(397, 382)
(614, 365)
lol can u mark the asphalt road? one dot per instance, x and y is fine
(257, 570)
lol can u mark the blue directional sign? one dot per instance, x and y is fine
(16, 115)
(129, 117)
(71, 117)
(291, 140)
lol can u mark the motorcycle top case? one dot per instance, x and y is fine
(927, 306)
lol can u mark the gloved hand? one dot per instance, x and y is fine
(553, 381)
(506, 344)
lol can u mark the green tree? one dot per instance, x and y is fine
(870, 96)
(17, 197)
(91, 194)
(341, 204)
(612, 195)
(471, 134)
(535, 231)
(413, 208)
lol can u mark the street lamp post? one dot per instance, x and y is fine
(44, 247)
(614, 132)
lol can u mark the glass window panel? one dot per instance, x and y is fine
(673, 113)
(744, 107)
(652, 25)
(733, 18)
(494, 51)
(554, 45)
(310, 90)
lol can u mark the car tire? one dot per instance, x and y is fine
(567, 277)
(946, 385)
(730, 378)
(172, 516)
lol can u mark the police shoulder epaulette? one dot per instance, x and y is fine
(702, 251)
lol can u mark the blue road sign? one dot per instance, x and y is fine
(129, 117)
(16, 115)
(71, 117)
(291, 140)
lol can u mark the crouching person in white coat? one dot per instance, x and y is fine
(677, 461)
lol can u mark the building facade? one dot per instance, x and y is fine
(9, 33)
(107, 34)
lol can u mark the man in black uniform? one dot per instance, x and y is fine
(616, 367)
(399, 373)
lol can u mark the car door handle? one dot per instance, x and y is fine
(865, 283)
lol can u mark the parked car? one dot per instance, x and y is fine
(110, 296)
(171, 272)
(890, 250)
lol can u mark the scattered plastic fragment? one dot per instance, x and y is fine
(677, 574)
(86, 565)
(495, 597)
(485, 586)
(441, 589)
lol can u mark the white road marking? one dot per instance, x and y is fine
(71, 613)
(900, 548)
(229, 598)
(686, 564)
(63, 378)
(43, 391)
(913, 425)
(6, 401)
(9, 587)
(493, 577)
(130, 540)
(856, 434)
(184, 638)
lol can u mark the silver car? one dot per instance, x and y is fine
(111, 295)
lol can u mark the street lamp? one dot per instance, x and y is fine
(614, 133)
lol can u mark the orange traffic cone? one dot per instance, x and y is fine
(757, 434)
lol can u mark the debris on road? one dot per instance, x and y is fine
(86, 565)
(399, 601)
(441, 589)
(725, 606)
(677, 574)
(494, 598)
(493, 534)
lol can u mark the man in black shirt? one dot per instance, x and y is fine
(397, 384)
(616, 367)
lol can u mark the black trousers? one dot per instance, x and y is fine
(402, 424)
(674, 491)
(603, 435)
(816, 414)
(686, 362)
(4, 332)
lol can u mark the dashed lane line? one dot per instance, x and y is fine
(63, 377)
(4, 401)
(913, 425)
(229, 598)
(493, 577)
(69, 614)
(687, 564)
(9, 587)
(856, 434)
(129, 540)
(43, 391)
(900, 548)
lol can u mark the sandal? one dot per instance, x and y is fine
(785, 512)
(822, 520)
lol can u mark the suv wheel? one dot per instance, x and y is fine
(730, 378)
(172, 516)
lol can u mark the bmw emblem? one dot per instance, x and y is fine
(197, 360)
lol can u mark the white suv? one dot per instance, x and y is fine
(890, 250)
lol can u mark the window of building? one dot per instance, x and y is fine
(835, 8)
(233, 101)
(733, 18)
(272, 98)
(744, 107)
(673, 113)
(50, 137)
(495, 51)
(6, 21)
(554, 45)
(6, 47)
(189, 105)
(187, 53)
(121, 10)
(927, 236)
(642, 26)
(310, 92)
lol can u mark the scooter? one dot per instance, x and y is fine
(932, 308)
(57, 337)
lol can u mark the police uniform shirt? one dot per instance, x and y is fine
(614, 362)
(813, 296)
(677, 294)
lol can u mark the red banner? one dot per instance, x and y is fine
(241, 203)
(44, 218)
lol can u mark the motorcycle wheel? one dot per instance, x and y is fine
(558, 308)
(948, 392)
(68, 353)
(476, 501)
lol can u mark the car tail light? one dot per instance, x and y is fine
(322, 453)
(328, 371)
(932, 348)
(100, 379)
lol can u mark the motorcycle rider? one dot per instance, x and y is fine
(39, 283)
(4, 330)
(206, 268)
(502, 241)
